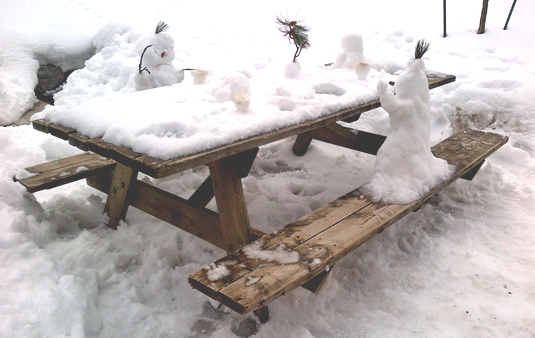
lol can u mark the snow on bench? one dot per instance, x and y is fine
(279, 262)
(66, 170)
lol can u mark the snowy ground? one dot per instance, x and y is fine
(460, 267)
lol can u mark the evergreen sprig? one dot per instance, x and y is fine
(296, 33)
(421, 48)
(161, 27)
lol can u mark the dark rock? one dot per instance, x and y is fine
(49, 79)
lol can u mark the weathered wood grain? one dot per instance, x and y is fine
(228, 191)
(242, 165)
(59, 172)
(118, 195)
(60, 131)
(334, 240)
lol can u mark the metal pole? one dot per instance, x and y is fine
(445, 34)
(509, 16)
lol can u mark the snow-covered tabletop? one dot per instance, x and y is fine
(185, 118)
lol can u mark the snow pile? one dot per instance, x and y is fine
(45, 35)
(279, 255)
(215, 273)
(405, 168)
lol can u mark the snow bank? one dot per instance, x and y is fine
(33, 33)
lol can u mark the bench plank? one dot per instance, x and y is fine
(320, 246)
(66, 170)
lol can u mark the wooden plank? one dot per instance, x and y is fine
(121, 154)
(63, 162)
(118, 195)
(60, 131)
(438, 79)
(290, 236)
(170, 208)
(56, 173)
(79, 141)
(40, 125)
(329, 244)
(228, 191)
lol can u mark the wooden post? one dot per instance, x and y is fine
(509, 16)
(444, 11)
(301, 143)
(483, 19)
(228, 191)
(118, 197)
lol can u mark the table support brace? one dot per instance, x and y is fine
(118, 195)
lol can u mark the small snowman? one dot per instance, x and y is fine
(405, 169)
(156, 67)
(352, 56)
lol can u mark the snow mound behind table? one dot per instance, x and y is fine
(33, 33)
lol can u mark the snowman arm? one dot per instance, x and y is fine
(141, 61)
(388, 100)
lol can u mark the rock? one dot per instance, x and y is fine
(49, 79)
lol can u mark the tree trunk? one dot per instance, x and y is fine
(483, 19)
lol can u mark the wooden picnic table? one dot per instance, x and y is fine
(321, 238)
(230, 228)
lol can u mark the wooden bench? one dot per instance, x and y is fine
(244, 282)
(66, 170)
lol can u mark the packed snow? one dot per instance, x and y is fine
(461, 266)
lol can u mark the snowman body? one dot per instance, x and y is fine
(352, 52)
(405, 169)
(157, 67)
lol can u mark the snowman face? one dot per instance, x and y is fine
(163, 47)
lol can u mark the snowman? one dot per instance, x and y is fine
(156, 67)
(352, 51)
(352, 56)
(405, 169)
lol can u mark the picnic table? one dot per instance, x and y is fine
(114, 169)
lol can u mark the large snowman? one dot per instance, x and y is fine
(156, 67)
(405, 169)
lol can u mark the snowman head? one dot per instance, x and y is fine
(352, 43)
(413, 83)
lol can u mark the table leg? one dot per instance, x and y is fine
(117, 202)
(228, 191)
(301, 143)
